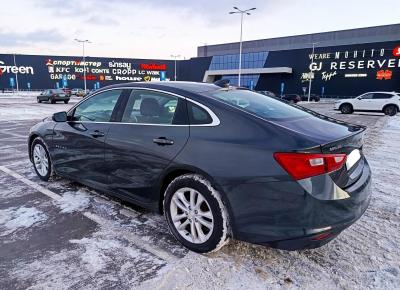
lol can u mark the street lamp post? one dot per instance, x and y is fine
(16, 74)
(175, 57)
(311, 72)
(242, 13)
(83, 56)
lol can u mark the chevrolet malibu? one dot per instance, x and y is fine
(219, 163)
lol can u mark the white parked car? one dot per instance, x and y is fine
(386, 102)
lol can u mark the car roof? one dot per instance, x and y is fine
(193, 87)
(380, 92)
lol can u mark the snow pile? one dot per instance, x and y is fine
(13, 219)
(74, 201)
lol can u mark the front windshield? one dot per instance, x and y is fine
(258, 104)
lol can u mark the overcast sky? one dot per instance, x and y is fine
(157, 29)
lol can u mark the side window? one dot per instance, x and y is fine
(197, 115)
(98, 108)
(382, 96)
(151, 107)
(366, 96)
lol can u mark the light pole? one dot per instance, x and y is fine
(175, 57)
(16, 74)
(242, 13)
(311, 72)
(84, 62)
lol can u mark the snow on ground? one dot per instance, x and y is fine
(25, 107)
(73, 201)
(13, 219)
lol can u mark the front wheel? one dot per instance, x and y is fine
(38, 100)
(41, 159)
(390, 110)
(195, 213)
(66, 101)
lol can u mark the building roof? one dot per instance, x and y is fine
(323, 39)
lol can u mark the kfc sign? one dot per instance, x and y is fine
(153, 66)
(396, 51)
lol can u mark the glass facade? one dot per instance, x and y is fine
(248, 81)
(231, 61)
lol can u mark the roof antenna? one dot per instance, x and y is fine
(223, 83)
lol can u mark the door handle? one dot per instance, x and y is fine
(97, 134)
(163, 141)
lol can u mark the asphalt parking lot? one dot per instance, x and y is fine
(62, 235)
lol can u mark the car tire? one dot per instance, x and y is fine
(41, 159)
(390, 110)
(66, 102)
(346, 109)
(39, 101)
(195, 213)
(52, 100)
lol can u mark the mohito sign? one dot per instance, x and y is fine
(153, 66)
(15, 69)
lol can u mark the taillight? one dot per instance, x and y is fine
(304, 165)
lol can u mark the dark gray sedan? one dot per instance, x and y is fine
(53, 96)
(219, 163)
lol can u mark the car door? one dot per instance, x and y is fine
(78, 144)
(379, 100)
(363, 102)
(152, 131)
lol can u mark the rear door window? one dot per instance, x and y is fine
(153, 107)
(198, 115)
(382, 96)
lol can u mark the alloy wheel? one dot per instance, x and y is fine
(191, 215)
(40, 160)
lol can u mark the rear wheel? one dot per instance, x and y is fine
(41, 159)
(66, 101)
(195, 213)
(346, 109)
(38, 100)
(390, 110)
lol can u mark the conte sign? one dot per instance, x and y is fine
(48, 71)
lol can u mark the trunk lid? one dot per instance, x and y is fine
(332, 136)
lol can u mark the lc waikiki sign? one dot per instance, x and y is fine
(7, 69)
(347, 62)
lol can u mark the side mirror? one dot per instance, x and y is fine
(60, 117)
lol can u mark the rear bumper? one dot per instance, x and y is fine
(284, 216)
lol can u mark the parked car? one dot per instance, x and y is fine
(292, 98)
(53, 96)
(313, 98)
(386, 102)
(219, 163)
(79, 92)
(67, 91)
(268, 93)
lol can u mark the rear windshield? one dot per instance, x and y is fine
(258, 104)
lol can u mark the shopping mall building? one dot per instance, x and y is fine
(344, 63)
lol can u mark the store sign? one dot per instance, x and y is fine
(353, 64)
(396, 51)
(153, 66)
(15, 69)
(384, 75)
